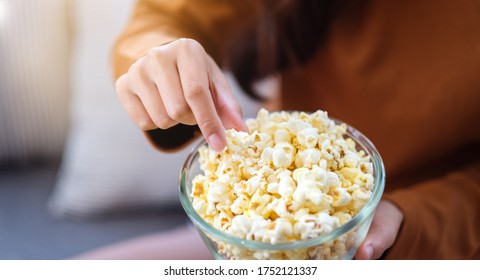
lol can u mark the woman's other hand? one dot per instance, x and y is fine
(180, 83)
(383, 231)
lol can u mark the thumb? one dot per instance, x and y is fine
(382, 233)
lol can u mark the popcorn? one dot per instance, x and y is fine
(308, 137)
(293, 177)
(342, 217)
(297, 125)
(341, 197)
(283, 154)
(282, 135)
(238, 141)
(279, 207)
(282, 231)
(239, 205)
(310, 226)
(360, 197)
(286, 186)
(308, 157)
(240, 227)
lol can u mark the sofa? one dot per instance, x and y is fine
(75, 172)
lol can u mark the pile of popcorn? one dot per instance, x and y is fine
(294, 177)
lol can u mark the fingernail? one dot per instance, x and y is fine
(369, 252)
(215, 142)
(244, 126)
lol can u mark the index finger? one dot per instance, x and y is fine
(193, 73)
(226, 104)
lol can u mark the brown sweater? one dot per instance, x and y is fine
(405, 73)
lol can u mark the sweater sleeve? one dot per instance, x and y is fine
(157, 22)
(441, 217)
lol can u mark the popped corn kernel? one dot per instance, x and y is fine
(341, 198)
(308, 137)
(282, 135)
(239, 205)
(295, 176)
(286, 187)
(308, 157)
(360, 197)
(240, 227)
(283, 155)
(310, 226)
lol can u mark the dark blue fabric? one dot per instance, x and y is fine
(29, 231)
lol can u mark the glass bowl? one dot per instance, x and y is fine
(341, 243)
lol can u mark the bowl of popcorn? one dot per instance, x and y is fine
(298, 186)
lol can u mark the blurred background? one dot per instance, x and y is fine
(75, 172)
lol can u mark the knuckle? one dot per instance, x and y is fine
(138, 79)
(156, 54)
(145, 124)
(164, 122)
(136, 71)
(187, 44)
(195, 91)
(165, 125)
(208, 125)
(179, 112)
(121, 84)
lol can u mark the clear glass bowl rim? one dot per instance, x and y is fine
(367, 210)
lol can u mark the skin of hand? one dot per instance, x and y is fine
(382, 233)
(180, 83)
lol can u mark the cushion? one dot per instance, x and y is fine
(108, 163)
(33, 80)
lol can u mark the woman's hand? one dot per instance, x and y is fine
(180, 83)
(383, 231)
